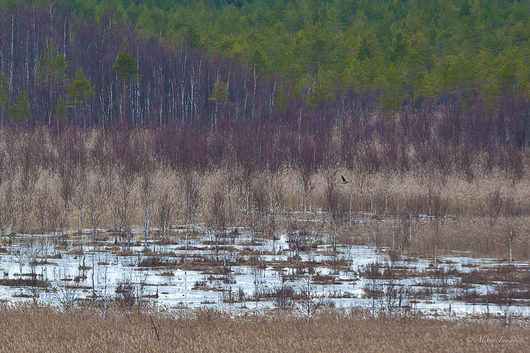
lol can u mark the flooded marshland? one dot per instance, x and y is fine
(239, 270)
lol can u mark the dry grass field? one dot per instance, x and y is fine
(96, 187)
(475, 216)
(42, 329)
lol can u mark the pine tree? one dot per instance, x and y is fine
(78, 90)
(125, 67)
(51, 73)
(364, 50)
(399, 47)
(60, 112)
(219, 96)
(22, 108)
(219, 92)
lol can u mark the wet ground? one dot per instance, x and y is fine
(238, 271)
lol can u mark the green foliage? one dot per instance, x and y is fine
(51, 72)
(22, 108)
(125, 65)
(60, 111)
(52, 67)
(220, 92)
(364, 51)
(465, 9)
(79, 89)
(321, 89)
(4, 93)
(399, 48)
(420, 47)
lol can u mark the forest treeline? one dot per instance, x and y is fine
(398, 51)
(59, 66)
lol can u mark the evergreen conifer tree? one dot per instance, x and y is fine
(125, 67)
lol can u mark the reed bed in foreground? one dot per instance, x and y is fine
(44, 329)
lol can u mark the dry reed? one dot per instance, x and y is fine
(50, 187)
(43, 329)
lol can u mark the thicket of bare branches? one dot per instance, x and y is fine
(125, 180)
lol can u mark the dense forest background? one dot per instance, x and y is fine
(375, 84)
(403, 49)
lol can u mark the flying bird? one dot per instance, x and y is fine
(344, 181)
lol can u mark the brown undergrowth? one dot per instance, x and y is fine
(44, 329)
(472, 236)
(46, 187)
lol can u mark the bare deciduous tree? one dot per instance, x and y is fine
(95, 201)
(165, 204)
(79, 194)
(217, 212)
(147, 186)
(494, 206)
(190, 184)
(438, 209)
(511, 226)
(230, 174)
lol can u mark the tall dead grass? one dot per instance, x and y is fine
(88, 183)
(44, 329)
(33, 210)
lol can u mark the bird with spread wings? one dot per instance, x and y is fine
(344, 181)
